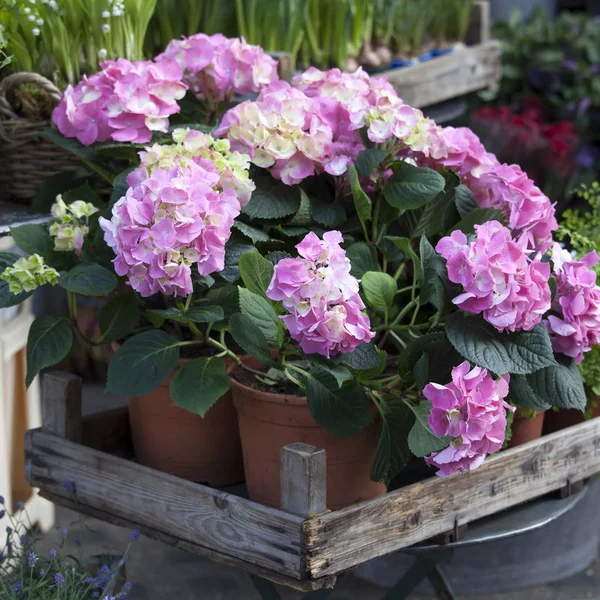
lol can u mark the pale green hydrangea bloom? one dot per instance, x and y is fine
(27, 274)
(71, 227)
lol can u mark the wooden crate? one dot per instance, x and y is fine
(476, 67)
(302, 545)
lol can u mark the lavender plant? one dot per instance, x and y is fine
(59, 575)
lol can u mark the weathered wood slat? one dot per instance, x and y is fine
(307, 585)
(462, 72)
(345, 538)
(194, 513)
(61, 405)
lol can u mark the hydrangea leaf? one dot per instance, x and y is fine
(272, 199)
(89, 279)
(198, 384)
(262, 314)
(250, 337)
(368, 160)
(118, 317)
(411, 187)
(256, 272)
(379, 289)
(520, 352)
(421, 439)
(362, 257)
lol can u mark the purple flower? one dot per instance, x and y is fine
(24, 540)
(32, 559)
(127, 587)
(20, 505)
(53, 554)
(65, 532)
(1, 499)
(17, 588)
(59, 580)
(2, 513)
(134, 536)
(69, 487)
(9, 530)
(2, 558)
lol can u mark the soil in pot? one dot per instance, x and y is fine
(525, 428)
(270, 419)
(173, 440)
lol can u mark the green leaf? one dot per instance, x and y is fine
(421, 440)
(49, 341)
(404, 244)
(362, 202)
(393, 452)
(327, 213)
(520, 352)
(303, 216)
(256, 272)
(433, 214)
(560, 385)
(421, 371)
(363, 357)
(478, 217)
(234, 249)
(272, 199)
(118, 317)
(227, 298)
(379, 290)
(340, 373)
(343, 412)
(275, 256)
(248, 335)
(362, 257)
(465, 201)
(433, 272)
(32, 238)
(120, 186)
(7, 298)
(89, 279)
(52, 186)
(411, 187)
(85, 193)
(522, 394)
(368, 160)
(142, 363)
(262, 314)
(198, 384)
(195, 314)
(256, 235)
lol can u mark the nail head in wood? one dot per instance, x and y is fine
(303, 480)
(61, 405)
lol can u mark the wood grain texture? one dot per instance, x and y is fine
(480, 26)
(61, 405)
(194, 513)
(303, 480)
(462, 72)
(345, 538)
(165, 538)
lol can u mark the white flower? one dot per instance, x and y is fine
(106, 14)
(106, 27)
(53, 5)
(31, 18)
(36, 31)
(102, 53)
(39, 22)
(27, 10)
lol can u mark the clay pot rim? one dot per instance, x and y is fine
(264, 395)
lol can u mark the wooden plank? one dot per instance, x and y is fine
(303, 480)
(345, 538)
(61, 405)
(108, 431)
(462, 72)
(230, 561)
(480, 26)
(194, 513)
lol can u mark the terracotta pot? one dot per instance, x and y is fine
(270, 421)
(176, 441)
(525, 429)
(561, 419)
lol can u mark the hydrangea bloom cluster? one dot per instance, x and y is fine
(126, 101)
(472, 411)
(216, 67)
(172, 217)
(72, 224)
(321, 297)
(27, 274)
(293, 135)
(499, 281)
(193, 145)
(577, 302)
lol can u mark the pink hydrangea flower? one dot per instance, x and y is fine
(472, 411)
(321, 296)
(170, 219)
(126, 102)
(576, 327)
(216, 67)
(291, 134)
(499, 281)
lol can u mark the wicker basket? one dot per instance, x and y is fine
(27, 159)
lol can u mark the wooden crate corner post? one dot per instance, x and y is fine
(303, 480)
(61, 405)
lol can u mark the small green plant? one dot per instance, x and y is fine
(62, 574)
